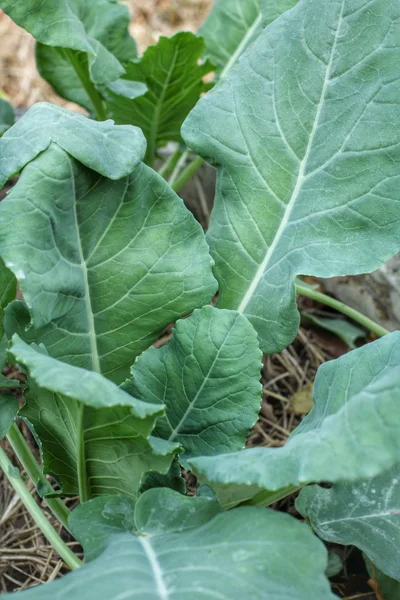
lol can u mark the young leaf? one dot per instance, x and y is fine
(346, 331)
(82, 418)
(233, 25)
(113, 151)
(364, 514)
(300, 169)
(174, 81)
(64, 24)
(105, 21)
(208, 378)
(173, 547)
(333, 443)
(6, 116)
(115, 262)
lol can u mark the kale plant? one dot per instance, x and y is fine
(302, 122)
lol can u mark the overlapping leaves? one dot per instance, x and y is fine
(169, 546)
(332, 443)
(305, 184)
(208, 378)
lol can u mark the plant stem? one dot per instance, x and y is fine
(343, 308)
(170, 164)
(31, 466)
(84, 488)
(15, 479)
(186, 174)
(84, 78)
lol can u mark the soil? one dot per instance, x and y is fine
(25, 556)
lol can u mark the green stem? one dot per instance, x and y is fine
(15, 479)
(83, 483)
(187, 174)
(343, 308)
(31, 466)
(84, 78)
(170, 163)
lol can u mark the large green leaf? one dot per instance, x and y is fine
(171, 547)
(113, 151)
(76, 25)
(308, 158)
(352, 433)
(115, 261)
(208, 378)
(174, 81)
(233, 25)
(82, 418)
(105, 21)
(6, 116)
(365, 514)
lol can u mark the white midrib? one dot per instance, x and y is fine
(156, 568)
(241, 46)
(88, 303)
(300, 178)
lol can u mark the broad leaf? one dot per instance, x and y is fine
(174, 80)
(365, 514)
(115, 262)
(105, 21)
(112, 151)
(346, 331)
(172, 547)
(8, 412)
(81, 417)
(333, 443)
(6, 116)
(208, 378)
(301, 169)
(65, 24)
(233, 25)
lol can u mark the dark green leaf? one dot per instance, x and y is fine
(306, 183)
(105, 21)
(110, 432)
(208, 378)
(174, 80)
(77, 25)
(115, 262)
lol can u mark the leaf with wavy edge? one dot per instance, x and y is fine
(107, 22)
(172, 547)
(208, 378)
(62, 24)
(115, 261)
(174, 79)
(332, 443)
(111, 150)
(308, 159)
(233, 25)
(109, 435)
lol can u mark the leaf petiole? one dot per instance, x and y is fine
(90, 89)
(31, 466)
(15, 479)
(343, 308)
